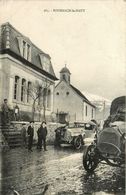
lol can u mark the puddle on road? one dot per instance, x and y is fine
(102, 193)
(62, 170)
(72, 157)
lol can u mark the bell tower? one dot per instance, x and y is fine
(65, 74)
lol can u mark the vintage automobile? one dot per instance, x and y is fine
(70, 135)
(109, 147)
(90, 129)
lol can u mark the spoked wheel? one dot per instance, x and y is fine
(90, 159)
(77, 142)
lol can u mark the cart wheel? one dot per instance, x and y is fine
(90, 159)
(77, 142)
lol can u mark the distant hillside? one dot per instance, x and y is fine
(102, 105)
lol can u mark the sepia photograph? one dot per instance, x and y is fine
(62, 97)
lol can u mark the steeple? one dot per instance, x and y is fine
(65, 74)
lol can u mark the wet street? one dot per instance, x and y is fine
(56, 172)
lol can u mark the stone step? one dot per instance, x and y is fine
(12, 133)
(14, 145)
(6, 127)
(11, 142)
(12, 136)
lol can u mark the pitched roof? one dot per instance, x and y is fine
(81, 95)
(13, 34)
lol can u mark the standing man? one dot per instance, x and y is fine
(5, 112)
(42, 133)
(30, 133)
(23, 134)
(16, 112)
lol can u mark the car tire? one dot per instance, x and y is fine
(77, 142)
(90, 159)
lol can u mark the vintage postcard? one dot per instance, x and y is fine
(62, 97)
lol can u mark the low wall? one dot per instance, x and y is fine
(50, 127)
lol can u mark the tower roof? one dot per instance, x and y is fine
(65, 70)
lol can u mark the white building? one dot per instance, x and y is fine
(23, 66)
(69, 103)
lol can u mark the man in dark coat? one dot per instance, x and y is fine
(5, 112)
(30, 133)
(42, 133)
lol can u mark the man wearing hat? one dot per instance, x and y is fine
(30, 133)
(5, 112)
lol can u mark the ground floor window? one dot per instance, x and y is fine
(48, 99)
(16, 87)
(23, 85)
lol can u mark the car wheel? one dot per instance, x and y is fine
(90, 159)
(77, 142)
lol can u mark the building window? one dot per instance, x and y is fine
(28, 51)
(92, 113)
(45, 62)
(64, 77)
(23, 85)
(28, 91)
(69, 79)
(16, 87)
(24, 47)
(40, 96)
(86, 111)
(57, 93)
(48, 99)
(44, 97)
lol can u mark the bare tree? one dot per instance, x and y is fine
(38, 92)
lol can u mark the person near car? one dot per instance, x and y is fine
(42, 133)
(30, 132)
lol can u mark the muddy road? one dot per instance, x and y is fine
(56, 172)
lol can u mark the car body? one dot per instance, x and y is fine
(76, 134)
(90, 129)
(73, 135)
(110, 143)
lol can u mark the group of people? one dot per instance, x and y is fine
(7, 113)
(29, 132)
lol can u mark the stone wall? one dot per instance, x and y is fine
(50, 127)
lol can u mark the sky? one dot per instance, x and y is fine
(92, 43)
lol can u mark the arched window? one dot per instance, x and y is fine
(28, 91)
(40, 95)
(44, 97)
(48, 99)
(23, 85)
(64, 77)
(16, 87)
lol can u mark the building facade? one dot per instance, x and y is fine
(70, 104)
(27, 77)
